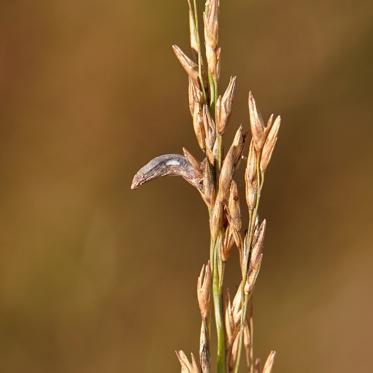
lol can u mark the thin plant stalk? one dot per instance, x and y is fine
(214, 179)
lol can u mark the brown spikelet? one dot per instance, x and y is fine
(198, 126)
(229, 323)
(189, 66)
(251, 167)
(247, 343)
(216, 219)
(203, 290)
(194, 94)
(204, 348)
(228, 244)
(257, 125)
(211, 26)
(251, 195)
(270, 144)
(257, 366)
(211, 23)
(234, 207)
(224, 106)
(229, 164)
(251, 177)
(237, 306)
(193, 161)
(208, 184)
(269, 363)
(186, 365)
(234, 352)
(193, 29)
(258, 241)
(253, 274)
(209, 126)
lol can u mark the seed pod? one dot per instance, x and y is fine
(257, 125)
(189, 66)
(204, 289)
(224, 108)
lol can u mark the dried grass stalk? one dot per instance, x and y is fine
(214, 179)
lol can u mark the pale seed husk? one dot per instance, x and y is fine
(269, 363)
(189, 65)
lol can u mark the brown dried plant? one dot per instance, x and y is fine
(213, 177)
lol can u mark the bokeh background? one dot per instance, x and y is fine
(97, 278)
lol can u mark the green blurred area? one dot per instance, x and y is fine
(97, 278)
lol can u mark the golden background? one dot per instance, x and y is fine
(97, 278)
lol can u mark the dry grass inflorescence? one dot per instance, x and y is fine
(213, 177)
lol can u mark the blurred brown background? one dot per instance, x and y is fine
(97, 278)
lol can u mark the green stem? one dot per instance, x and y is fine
(218, 307)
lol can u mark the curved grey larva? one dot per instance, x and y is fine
(167, 165)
